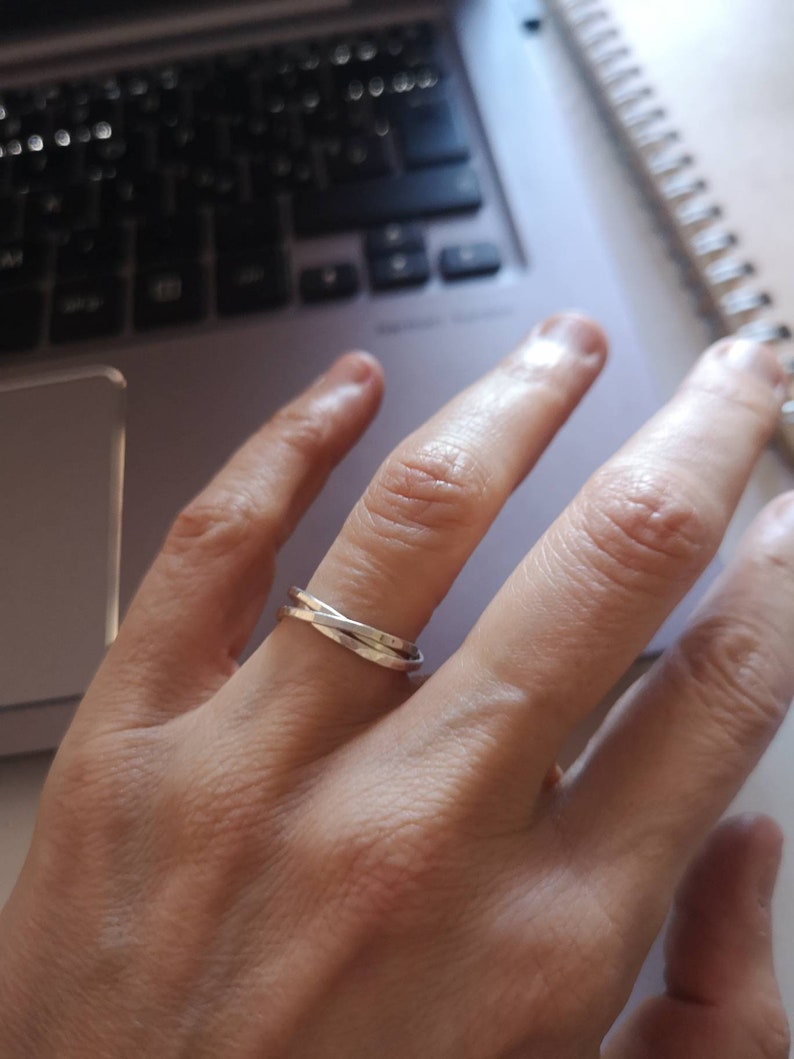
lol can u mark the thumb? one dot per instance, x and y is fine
(722, 996)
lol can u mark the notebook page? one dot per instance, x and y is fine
(723, 69)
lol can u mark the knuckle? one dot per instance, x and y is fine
(770, 1031)
(220, 825)
(107, 780)
(383, 867)
(221, 517)
(299, 431)
(643, 526)
(429, 490)
(725, 660)
(213, 524)
(386, 870)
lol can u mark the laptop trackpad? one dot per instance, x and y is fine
(61, 466)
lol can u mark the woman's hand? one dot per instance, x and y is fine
(310, 857)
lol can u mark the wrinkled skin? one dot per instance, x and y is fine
(311, 857)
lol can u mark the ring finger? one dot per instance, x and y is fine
(428, 507)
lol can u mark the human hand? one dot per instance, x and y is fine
(722, 1000)
(309, 856)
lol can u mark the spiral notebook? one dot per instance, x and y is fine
(700, 97)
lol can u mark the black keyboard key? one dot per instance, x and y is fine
(400, 270)
(11, 212)
(176, 105)
(142, 196)
(230, 93)
(102, 153)
(21, 316)
(331, 283)
(301, 58)
(360, 159)
(393, 106)
(29, 170)
(424, 193)
(470, 260)
(7, 185)
(262, 134)
(421, 44)
(136, 84)
(431, 135)
(50, 170)
(248, 227)
(35, 129)
(105, 117)
(357, 61)
(205, 185)
(137, 157)
(9, 130)
(141, 108)
(22, 263)
(87, 308)
(283, 171)
(91, 252)
(250, 137)
(65, 166)
(251, 282)
(199, 143)
(395, 238)
(59, 211)
(169, 240)
(168, 296)
(317, 119)
(414, 85)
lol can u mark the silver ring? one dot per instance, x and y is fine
(391, 652)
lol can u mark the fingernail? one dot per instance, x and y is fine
(575, 332)
(356, 368)
(756, 359)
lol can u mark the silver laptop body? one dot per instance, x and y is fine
(193, 392)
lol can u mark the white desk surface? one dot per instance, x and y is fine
(674, 335)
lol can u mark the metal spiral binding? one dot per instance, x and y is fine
(728, 270)
(707, 249)
(616, 77)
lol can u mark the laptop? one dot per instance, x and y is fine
(201, 205)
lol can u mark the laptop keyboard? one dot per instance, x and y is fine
(160, 196)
